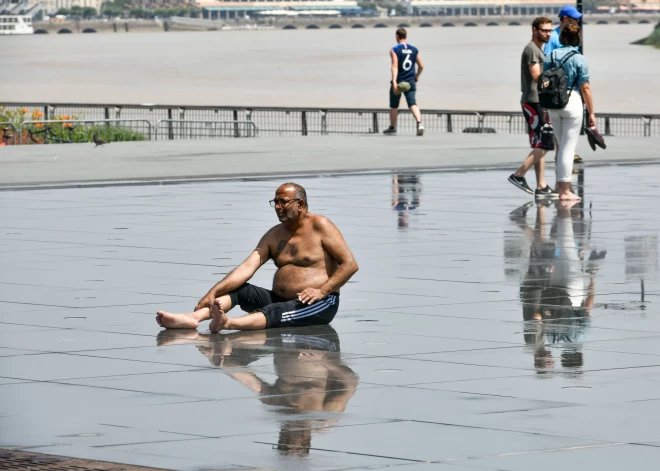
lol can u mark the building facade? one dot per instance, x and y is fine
(228, 9)
(486, 7)
(163, 3)
(53, 6)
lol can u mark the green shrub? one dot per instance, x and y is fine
(83, 132)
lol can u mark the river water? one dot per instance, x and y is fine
(466, 68)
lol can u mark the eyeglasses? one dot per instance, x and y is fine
(546, 31)
(282, 203)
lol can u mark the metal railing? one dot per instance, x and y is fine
(9, 136)
(100, 131)
(271, 121)
(174, 129)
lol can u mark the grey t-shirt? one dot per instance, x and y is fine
(531, 55)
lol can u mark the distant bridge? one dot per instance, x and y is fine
(189, 24)
(96, 26)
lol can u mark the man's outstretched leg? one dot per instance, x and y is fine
(189, 320)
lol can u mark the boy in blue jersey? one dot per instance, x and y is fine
(407, 66)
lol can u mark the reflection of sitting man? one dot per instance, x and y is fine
(554, 294)
(406, 190)
(310, 375)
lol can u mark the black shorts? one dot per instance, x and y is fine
(410, 96)
(534, 117)
(281, 312)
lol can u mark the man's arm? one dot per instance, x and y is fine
(420, 68)
(344, 384)
(334, 243)
(395, 70)
(535, 71)
(239, 275)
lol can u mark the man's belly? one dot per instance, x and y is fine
(290, 280)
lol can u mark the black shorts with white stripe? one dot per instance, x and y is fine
(282, 313)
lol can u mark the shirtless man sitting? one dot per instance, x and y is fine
(313, 262)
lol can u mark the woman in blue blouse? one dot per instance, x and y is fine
(567, 122)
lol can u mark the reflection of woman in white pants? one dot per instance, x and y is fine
(567, 122)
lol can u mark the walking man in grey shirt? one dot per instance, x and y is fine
(530, 69)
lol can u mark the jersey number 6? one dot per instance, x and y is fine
(407, 63)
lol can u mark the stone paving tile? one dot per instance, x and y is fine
(606, 458)
(596, 388)
(58, 366)
(435, 355)
(10, 459)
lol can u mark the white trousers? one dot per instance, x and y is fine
(567, 124)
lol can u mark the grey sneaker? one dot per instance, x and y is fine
(546, 193)
(390, 131)
(521, 183)
(420, 129)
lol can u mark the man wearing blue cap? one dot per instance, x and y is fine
(567, 15)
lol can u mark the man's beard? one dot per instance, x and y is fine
(289, 214)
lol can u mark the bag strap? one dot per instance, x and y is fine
(566, 57)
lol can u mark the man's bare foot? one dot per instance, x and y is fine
(219, 318)
(570, 196)
(176, 321)
(177, 337)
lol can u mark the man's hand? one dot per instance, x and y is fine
(395, 87)
(206, 301)
(310, 296)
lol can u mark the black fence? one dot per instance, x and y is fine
(317, 121)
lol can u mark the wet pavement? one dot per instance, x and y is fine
(481, 332)
(204, 160)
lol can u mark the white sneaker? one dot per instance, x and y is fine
(420, 129)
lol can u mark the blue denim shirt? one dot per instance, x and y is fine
(575, 67)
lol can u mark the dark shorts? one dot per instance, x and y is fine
(281, 312)
(533, 114)
(410, 96)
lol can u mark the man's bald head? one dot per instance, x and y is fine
(298, 191)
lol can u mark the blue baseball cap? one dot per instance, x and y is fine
(570, 11)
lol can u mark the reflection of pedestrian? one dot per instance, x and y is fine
(567, 122)
(530, 70)
(555, 294)
(406, 191)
